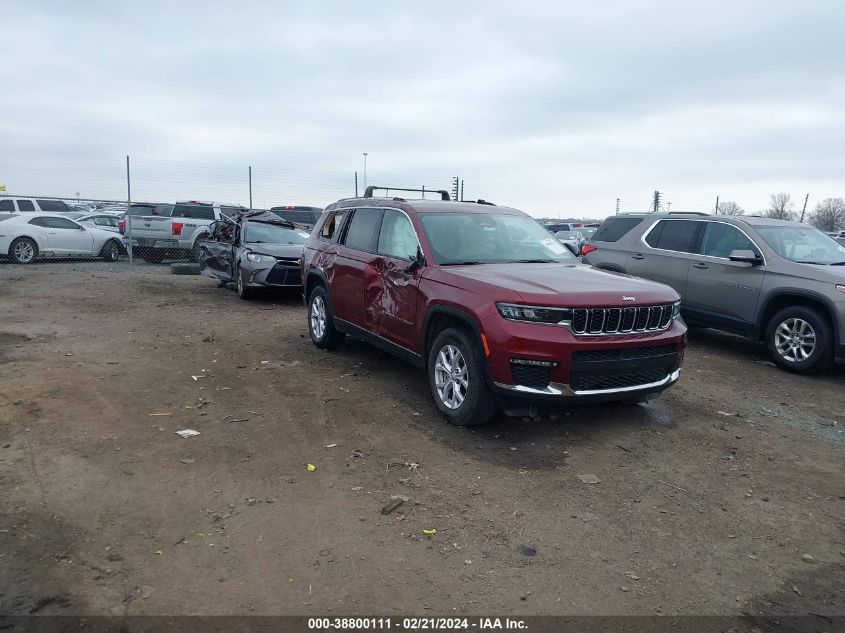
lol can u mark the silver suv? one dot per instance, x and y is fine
(771, 280)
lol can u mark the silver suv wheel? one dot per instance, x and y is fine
(451, 378)
(318, 317)
(795, 340)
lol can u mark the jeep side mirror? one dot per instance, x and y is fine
(417, 260)
(746, 256)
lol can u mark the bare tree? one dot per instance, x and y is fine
(829, 215)
(730, 208)
(780, 207)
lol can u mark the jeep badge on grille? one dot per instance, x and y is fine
(624, 298)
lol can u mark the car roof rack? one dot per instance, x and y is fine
(688, 213)
(368, 192)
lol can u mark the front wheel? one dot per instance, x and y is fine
(321, 321)
(244, 292)
(457, 379)
(23, 250)
(800, 340)
(111, 251)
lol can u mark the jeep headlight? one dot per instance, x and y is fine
(258, 259)
(534, 314)
(676, 309)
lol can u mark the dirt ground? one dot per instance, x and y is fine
(724, 497)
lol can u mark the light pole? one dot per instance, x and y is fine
(365, 170)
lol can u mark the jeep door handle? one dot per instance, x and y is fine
(700, 265)
(637, 256)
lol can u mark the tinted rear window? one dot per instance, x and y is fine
(193, 211)
(53, 206)
(25, 205)
(673, 235)
(613, 229)
(362, 233)
(142, 209)
(6, 205)
(302, 215)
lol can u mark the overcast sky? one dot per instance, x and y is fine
(555, 108)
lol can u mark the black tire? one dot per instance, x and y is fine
(195, 253)
(185, 269)
(111, 251)
(329, 337)
(477, 405)
(807, 353)
(23, 250)
(244, 292)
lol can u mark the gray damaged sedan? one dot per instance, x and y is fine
(256, 250)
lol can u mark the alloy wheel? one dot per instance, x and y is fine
(318, 317)
(795, 340)
(24, 252)
(451, 378)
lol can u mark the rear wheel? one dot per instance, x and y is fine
(800, 340)
(23, 250)
(457, 379)
(321, 321)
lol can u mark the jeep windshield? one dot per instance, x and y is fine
(490, 238)
(265, 233)
(803, 245)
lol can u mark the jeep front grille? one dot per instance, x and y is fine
(621, 320)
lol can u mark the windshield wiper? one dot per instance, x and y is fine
(466, 263)
(838, 264)
(532, 261)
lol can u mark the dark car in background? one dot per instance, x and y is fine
(256, 249)
(306, 216)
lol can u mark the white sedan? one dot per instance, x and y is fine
(26, 237)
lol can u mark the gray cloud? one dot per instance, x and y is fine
(555, 108)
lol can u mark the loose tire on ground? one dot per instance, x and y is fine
(800, 340)
(185, 269)
(457, 377)
(321, 321)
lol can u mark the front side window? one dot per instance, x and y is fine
(265, 233)
(490, 238)
(362, 233)
(803, 245)
(673, 235)
(397, 238)
(722, 239)
(25, 205)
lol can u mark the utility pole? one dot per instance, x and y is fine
(717, 206)
(356, 184)
(250, 187)
(455, 187)
(807, 197)
(656, 201)
(129, 209)
(462, 189)
(668, 206)
(617, 205)
(365, 170)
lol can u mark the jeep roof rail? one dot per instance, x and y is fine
(368, 192)
(688, 213)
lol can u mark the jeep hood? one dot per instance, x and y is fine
(563, 285)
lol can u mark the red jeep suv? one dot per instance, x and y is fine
(497, 311)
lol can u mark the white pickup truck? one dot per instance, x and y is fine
(176, 236)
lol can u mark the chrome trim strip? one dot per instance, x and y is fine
(561, 389)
